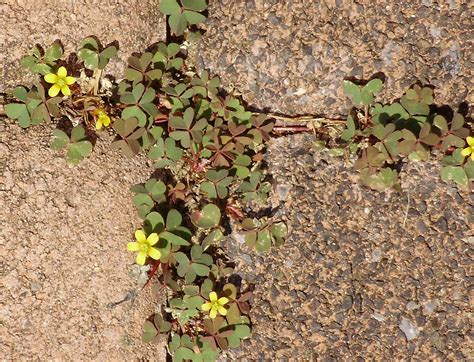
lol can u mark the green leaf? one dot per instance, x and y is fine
(193, 17)
(458, 122)
(374, 86)
(78, 133)
(133, 75)
(60, 140)
(241, 331)
(173, 219)
(78, 151)
(173, 238)
(183, 354)
(149, 332)
(18, 111)
(172, 49)
(172, 151)
(212, 238)
(109, 52)
(200, 269)
(454, 173)
(135, 112)
(366, 97)
(148, 96)
(279, 230)
(209, 189)
(89, 43)
(42, 69)
(208, 217)
(196, 5)
(264, 241)
(469, 169)
(352, 91)
(177, 23)
(452, 140)
(169, 7)
(20, 93)
(440, 122)
(89, 57)
(143, 199)
(53, 53)
(155, 220)
(349, 132)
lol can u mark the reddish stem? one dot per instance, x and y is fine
(291, 129)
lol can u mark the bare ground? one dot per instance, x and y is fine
(64, 264)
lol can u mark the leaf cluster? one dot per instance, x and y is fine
(78, 145)
(183, 13)
(384, 135)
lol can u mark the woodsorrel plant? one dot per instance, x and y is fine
(207, 150)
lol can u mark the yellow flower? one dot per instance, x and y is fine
(102, 118)
(60, 82)
(144, 246)
(215, 305)
(469, 150)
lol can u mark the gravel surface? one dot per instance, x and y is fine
(69, 287)
(291, 56)
(366, 275)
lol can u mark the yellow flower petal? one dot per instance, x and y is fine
(105, 120)
(62, 72)
(66, 91)
(206, 306)
(70, 80)
(54, 90)
(212, 296)
(140, 236)
(213, 313)
(152, 239)
(98, 124)
(223, 300)
(472, 156)
(51, 78)
(466, 152)
(222, 310)
(141, 258)
(470, 141)
(133, 246)
(154, 253)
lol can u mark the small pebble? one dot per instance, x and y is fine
(410, 330)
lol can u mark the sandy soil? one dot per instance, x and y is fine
(64, 264)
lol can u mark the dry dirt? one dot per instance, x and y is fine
(64, 264)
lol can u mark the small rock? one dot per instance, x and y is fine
(282, 191)
(376, 256)
(412, 305)
(430, 306)
(442, 224)
(378, 316)
(246, 258)
(410, 330)
(421, 227)
(35, 286)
